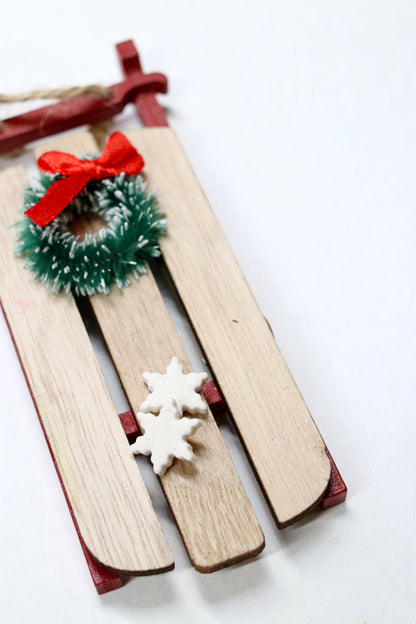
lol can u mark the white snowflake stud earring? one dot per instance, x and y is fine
(165, 436)
(174, 384)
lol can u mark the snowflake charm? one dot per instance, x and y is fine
(165, 436)
(174, 384)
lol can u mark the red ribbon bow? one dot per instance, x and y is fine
(119, 155)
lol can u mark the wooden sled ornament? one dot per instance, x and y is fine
(117, 524)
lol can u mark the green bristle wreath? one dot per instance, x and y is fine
(62, 261)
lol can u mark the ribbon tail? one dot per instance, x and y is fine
(56, 198)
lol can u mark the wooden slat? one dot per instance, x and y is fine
(109, 500)
(212, 511)
(214, 516)
(281, 438)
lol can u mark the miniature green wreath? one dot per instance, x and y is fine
(62, 261)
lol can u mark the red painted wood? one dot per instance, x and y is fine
(150, 111)
(42, 122)
(104, 580)
(129, 424)
(269, 326)
(129, 57)
(337, 490)
(213, 398)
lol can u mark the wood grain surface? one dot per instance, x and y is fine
(109, 500)
(214, 516)
(212, 511)
(280, 436)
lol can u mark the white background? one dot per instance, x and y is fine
(299, 119)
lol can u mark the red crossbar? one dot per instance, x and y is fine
(149, 109)
(137, 87)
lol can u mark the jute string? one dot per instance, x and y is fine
(65, 93)
(56, 94)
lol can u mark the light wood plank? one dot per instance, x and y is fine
(281, 438)
(111, 505)
(212, 511)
